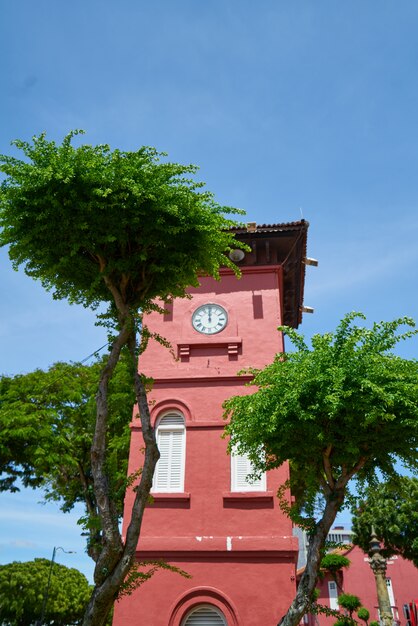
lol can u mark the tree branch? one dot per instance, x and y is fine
(150, 459)
(344, 478)
(327, 466)
(119, 301)
(124, 560)
(112, 543)
(313, 561)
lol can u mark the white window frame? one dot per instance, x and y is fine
(391, 594)
(169, 484)
(333, 595)
(240, 463)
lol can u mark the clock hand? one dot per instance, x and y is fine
(210, 314)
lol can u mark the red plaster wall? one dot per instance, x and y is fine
(256, 592)
(238, 546)
(358, 579)
(254, 309)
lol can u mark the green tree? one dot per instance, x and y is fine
(47, 421)
(350, 603)
(345, 408)
(22, 594)
(363, 614)
(333, 564)
(385, 524)
(391, 509)
(122, 229)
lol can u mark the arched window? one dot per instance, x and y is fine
(241, 468)
(171, 441)
(204, 615)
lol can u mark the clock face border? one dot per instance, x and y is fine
(202, 307)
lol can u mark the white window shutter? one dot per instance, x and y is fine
(205, 616)
(241, 467)
(176, 460)
(162, 472)
(171, 438)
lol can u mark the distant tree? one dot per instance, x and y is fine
(22, 594)
(125, 230)
(333, 564)
(385, 524)
(346, 408)
(47, 421)
(350, 603)
(363, 614)
(391, 509)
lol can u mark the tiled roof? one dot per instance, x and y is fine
(272, 228)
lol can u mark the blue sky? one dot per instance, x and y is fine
(290, 108)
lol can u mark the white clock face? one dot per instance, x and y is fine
(209, 319)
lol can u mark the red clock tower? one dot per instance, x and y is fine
(207, 517)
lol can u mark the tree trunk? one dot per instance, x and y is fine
(116, 559)
(307, 583)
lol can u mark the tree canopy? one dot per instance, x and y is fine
(333, 564)
(346, 407)
(23, 588)
(47, 421)
(89, 222)
(351, 604)
(391, 509)
(128, 230)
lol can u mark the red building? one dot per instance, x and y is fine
(358, 579)
(206, 517)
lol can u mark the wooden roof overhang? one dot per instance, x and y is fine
(283, 245)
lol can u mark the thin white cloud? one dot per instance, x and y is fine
(19, 543)
(34, 517)
(361, 264)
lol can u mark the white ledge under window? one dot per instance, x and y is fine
(259, 496)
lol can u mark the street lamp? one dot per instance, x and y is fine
(46, 594)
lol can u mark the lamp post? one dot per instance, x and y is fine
(378, 565)
(46, 594)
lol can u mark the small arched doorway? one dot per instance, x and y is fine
(204, 615)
